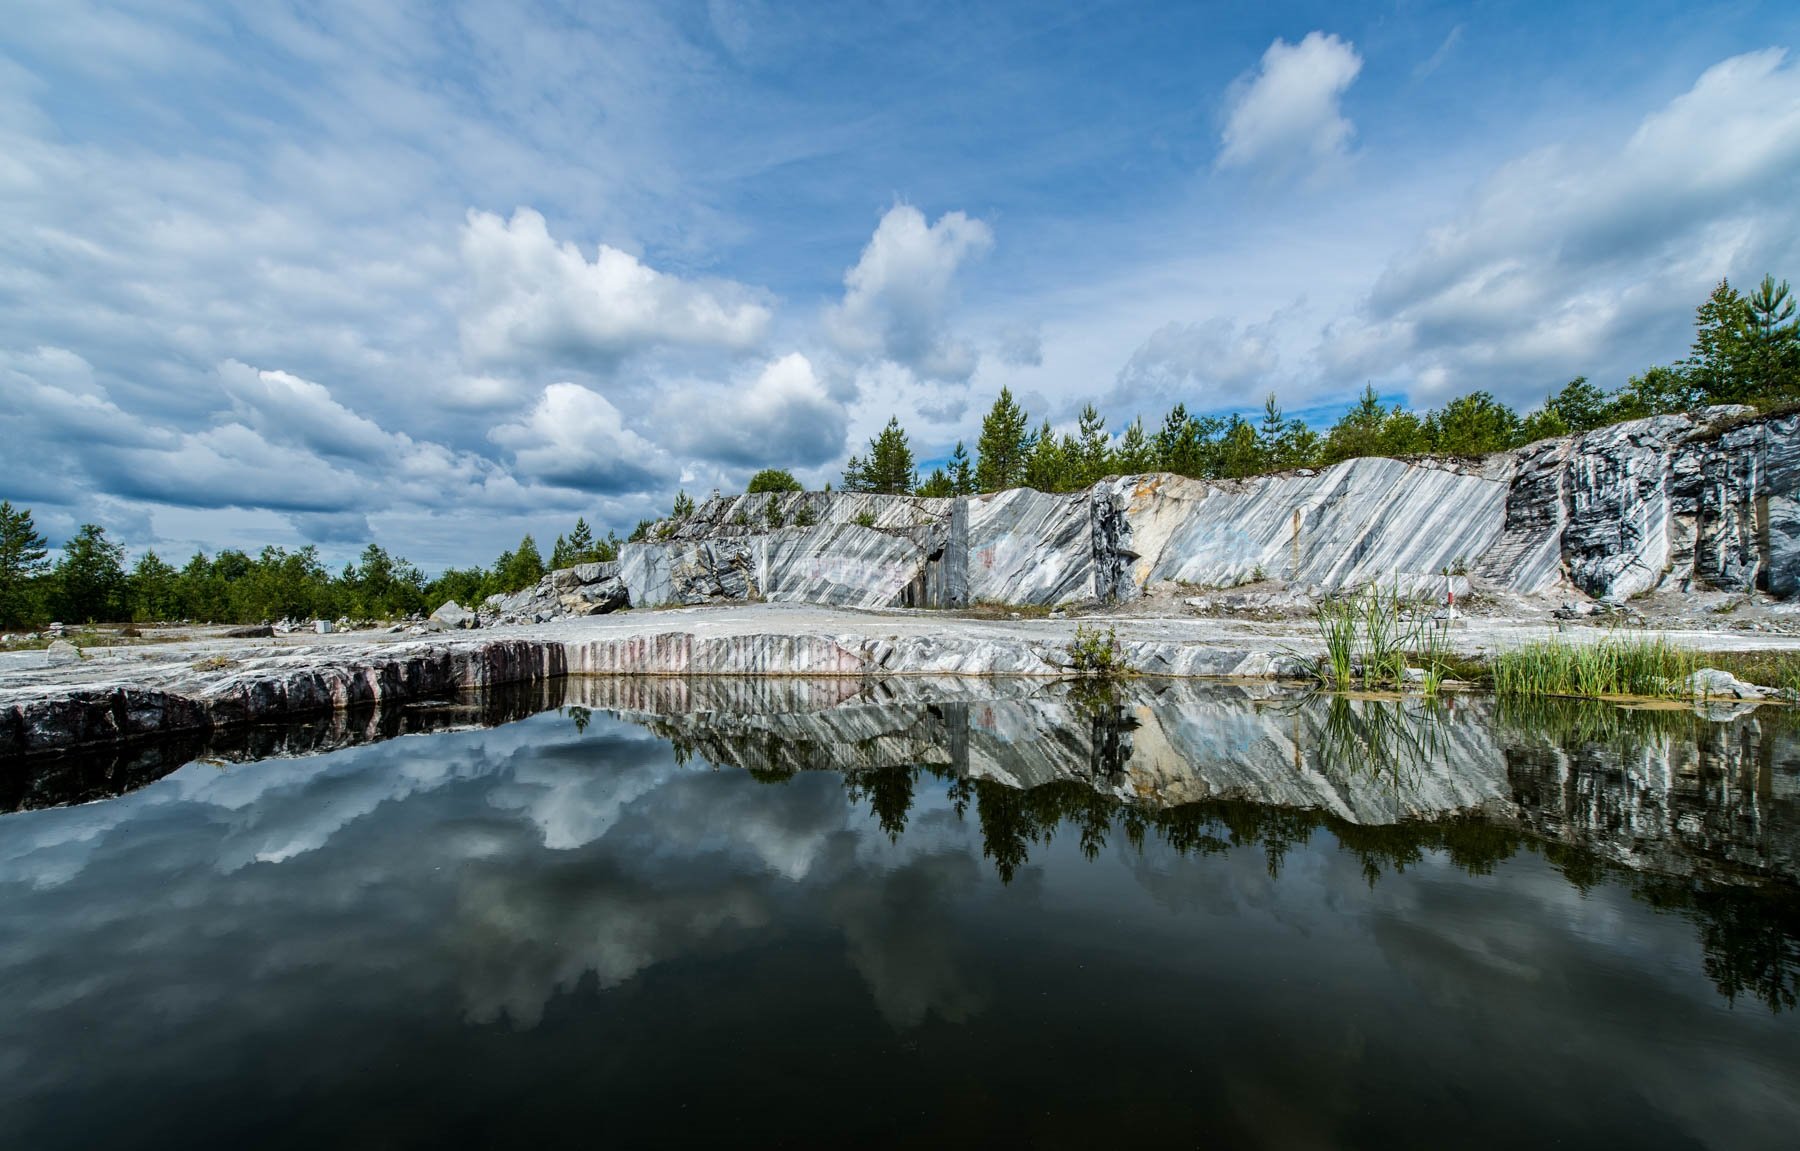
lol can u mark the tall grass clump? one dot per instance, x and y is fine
(1612, 666)
(1371, 639)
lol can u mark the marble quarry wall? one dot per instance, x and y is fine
(1668, 502)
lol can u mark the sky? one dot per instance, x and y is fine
(440, 274)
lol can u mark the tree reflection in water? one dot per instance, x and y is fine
(1561, 760)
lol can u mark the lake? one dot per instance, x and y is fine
(791, 913)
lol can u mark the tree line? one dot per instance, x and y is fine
(1746, 350)
(90, 581)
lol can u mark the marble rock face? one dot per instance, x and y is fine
(1711, 499)
(1360, 522)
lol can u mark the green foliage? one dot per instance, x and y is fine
(684, 506)
(154, 589)
(1370, 639)
(88, 582)
(889, 468)
(1472, 425)
(23, 555)
(937, 485)
(1612, 666)
(864, 519)
(1094, 652)
(772, 480)
(1001, 450)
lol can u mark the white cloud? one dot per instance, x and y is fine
(897, 298)
(575, 437)
(288, 409)
(784, 417)
(530, 297)
(1570, 260)
(1212, 361)
(1288, 116)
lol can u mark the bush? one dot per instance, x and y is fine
(1095, 652)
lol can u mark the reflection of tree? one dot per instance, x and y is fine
(889, 791)
(1751, 937)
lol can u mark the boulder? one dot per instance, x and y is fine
(258, 631)
(62, 651)
(454, 615)
(1711, 683)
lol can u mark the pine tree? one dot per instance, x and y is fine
(22, 557)
(1136, 453)
(889, 467)
(153, 591)
(1771, 341)
(1000, 452)
(90, 577)
(1044, 467)
(962, 476)
(1715, 364)
(1094, 447)
(581, 542)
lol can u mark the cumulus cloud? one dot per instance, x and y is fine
(1288, 115)
(1214, 358)
(288, 409)
(575, 437)
(782, 417)
(531, 296)
(898, 296)
(1580, 260)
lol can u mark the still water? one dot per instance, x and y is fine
(756, 913)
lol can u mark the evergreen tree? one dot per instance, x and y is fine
(937, 485)
(962, 476)
(1358, 431)
(1239, 453)
(1136, 453)
(522, 568)
(1770, 342)
(153, 589)
(889, 468)
(684, 506)
(1182, 444)
(1472, 425)
(90, 578)
(22, 558)
(1001, 450)
(1093, 448)
(1045, 467)
(561, 555)
(1715, 365)
(772, 480)
(581, 542)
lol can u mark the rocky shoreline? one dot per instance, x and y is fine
(122, 694)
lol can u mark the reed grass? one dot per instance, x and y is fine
(1616, 665)
(1371, 639)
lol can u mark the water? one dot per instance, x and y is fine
(779, 913)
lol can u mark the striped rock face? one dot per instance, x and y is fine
(1672, 501)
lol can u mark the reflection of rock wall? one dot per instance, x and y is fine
(1666, 792)
(1615, 511)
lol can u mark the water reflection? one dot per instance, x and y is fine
(1245, 909)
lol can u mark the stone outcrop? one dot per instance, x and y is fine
(585, 589)
(1672, 501)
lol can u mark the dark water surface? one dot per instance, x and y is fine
(756, 914)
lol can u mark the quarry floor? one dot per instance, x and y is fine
(184, 658)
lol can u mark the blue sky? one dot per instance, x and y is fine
(440, 274)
